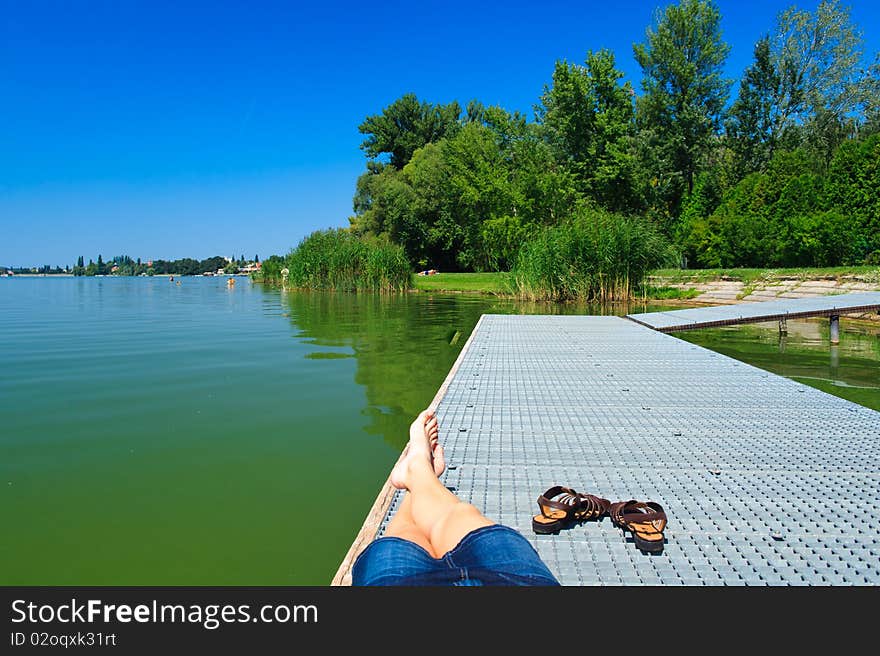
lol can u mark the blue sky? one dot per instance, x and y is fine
(189, 129)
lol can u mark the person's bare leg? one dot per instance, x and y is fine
(402, 525)
(440, 516)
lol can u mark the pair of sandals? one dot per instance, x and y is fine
(562, 506)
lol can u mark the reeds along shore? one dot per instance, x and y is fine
(336, 259)
(595, 257)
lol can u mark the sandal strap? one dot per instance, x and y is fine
(560, 498)
(618, 506)
(603, 505)
(642, 518)
(593, 506)
(641, 512)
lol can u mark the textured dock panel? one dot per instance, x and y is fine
(726, 315)
(765, 481)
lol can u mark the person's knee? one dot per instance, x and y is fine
(461, 519)
(462, 511)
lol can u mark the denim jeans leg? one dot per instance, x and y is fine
(389, 560)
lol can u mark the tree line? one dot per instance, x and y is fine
(786, 173)
(46, 269)
(123, 265)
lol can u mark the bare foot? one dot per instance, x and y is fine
(423, 447)
(432, 428)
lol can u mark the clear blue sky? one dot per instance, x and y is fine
(189, 129)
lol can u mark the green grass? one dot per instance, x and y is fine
(747, 276)
(486, 283)
(667, 293)
(499, 283)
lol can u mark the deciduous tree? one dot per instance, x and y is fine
(407, 125)
(588, 118)
(685, 93)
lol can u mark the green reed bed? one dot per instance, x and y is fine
(338, 260)
(594, 257)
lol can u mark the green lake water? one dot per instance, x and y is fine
(161, 434)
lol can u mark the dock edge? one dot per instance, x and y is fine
(383, 501)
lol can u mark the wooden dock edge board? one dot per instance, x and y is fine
(386, 494)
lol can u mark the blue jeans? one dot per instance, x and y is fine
(490, 555)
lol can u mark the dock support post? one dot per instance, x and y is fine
(835, 329)
(783, 326)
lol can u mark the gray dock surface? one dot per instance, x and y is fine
(765, 481)
(728, 315)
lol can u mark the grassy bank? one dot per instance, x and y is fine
(486, 283)
(500, 284)
(659, 280)
(746, 276)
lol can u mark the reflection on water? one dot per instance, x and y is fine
(404, 344)
(850, 369)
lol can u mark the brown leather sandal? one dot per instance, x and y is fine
(592, 507)
(559, 506)
(644, 519)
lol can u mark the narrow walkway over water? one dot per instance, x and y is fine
(779, 310)
(764, 480)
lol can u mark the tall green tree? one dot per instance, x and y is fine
(406, 125)
(853, 187)
(588, 118)
(682, 108)
(752, 127)
(807, 87)
(871, 90)
(818, 57)
(384, 203)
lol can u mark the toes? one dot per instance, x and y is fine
(439, 460)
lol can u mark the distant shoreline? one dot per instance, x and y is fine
(39, 275)
(157, 275)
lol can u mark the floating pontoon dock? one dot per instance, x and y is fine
(779, 310)
(765, 481)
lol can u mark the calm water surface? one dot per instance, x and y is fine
(161, 434)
